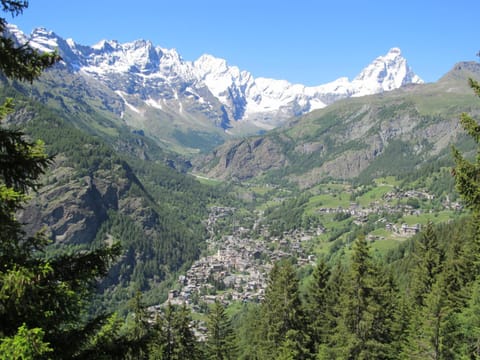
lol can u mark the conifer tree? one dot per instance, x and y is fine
(368, 307)
(41, 299)
(186, 344)
(429, 263)
(221, 343)
(434, 332)
(467, 181)
(282, 311)
(163, 342)
(137, 329)
(249, 333)
(174, 338)
(294, 346)
(334, 293)
(318, 305)
(456, 274)
(470, 321)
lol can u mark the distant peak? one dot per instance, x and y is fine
(207, 58)
(395, 51)
(385, 73)
(42, 32)
(461, 72)
(106, 45)
(211, 63)
(394, 54)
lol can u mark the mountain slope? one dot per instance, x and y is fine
(173, 100)
(391, 133)
(97, 192)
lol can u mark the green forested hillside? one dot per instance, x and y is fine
(96, 194)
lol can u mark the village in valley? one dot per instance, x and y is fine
(237, 261)
(238, 267)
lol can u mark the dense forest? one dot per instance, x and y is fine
(420, 300)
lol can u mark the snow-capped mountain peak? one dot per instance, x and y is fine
(106, 45)
(210, 64)
(161, 78)
(385, 73)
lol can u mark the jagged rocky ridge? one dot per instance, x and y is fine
(146, 77)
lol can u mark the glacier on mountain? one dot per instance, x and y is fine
(161, 79)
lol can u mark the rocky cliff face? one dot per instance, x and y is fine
(240, 160)
(73, 208)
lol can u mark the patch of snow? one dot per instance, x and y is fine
(130, 106)
(155, 104)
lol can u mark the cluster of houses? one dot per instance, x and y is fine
(414, 194)
(238, 266)
(360, 214)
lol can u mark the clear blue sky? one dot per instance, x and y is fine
(303, 41)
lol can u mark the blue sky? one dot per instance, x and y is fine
(303, 41)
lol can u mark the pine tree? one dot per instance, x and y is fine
(137, 329)
(249, 333)
(456, 274)
(282, 311)
(293, 346)
(26, 344)
(429, 261)
(438, 326)
(221, 342)
(368, 307)
(42, 300)
(186, 343)
(318, 305)
(470, 321)
(174, 338)
(467, 182)
(434, 332)
(163, 343)
(336, 288)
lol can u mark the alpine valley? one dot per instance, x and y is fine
(206, 174)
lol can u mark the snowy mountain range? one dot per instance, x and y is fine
(147, 77)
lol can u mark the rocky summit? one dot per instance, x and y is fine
(151, 80)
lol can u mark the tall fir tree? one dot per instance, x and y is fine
(186, 344)
(434, 332)
(334, 293)
(282, 312)
(41, 299)
(467, 181)
(318, 304)
(368, 310)
(221, 341)
(174, 338)
(470, 324)
(248, 330)
(429, 261)
(137, 329)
